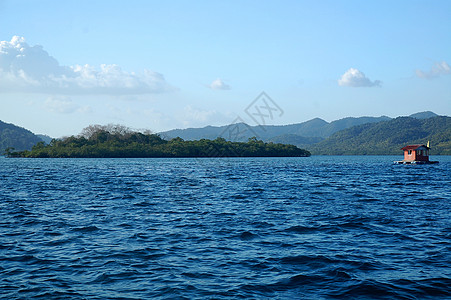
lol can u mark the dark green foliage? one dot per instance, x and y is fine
(102, 141)
(388, 137)
(15, 137)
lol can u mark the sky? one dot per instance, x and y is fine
(161, 65)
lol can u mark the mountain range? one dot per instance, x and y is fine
(362, 135)
(316, 128)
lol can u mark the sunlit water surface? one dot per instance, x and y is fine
(288, 228)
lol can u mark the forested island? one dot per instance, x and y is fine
(117, 141)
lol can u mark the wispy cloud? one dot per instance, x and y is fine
(193, 117)
(356, 78)
(219, 84)
(64, 105)
(438, 69)
(25, 68)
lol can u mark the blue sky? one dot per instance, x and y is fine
(161, 65)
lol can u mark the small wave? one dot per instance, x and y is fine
(336, 228)
(29, 259)
(144, 253)
(304, 229)
(321, 261)
(426, 287)
(262, 224)
(339, 274)
(247, 235)
(19, 258)
(58, 295)
(86, 229)
(53, 233)
(368, 200)
(143, 204)
(301, 279)
(270, 290)
(58, 242)
(103, 278)
(366, 288)
(398, 289)
(200, 275)
(140, 236)
(309, 261)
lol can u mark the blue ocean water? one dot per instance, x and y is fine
(260, 228)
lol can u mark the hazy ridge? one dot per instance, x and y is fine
(16, 137)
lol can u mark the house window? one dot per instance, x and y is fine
(409, 152)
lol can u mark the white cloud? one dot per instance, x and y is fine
(218, 84)
(438, 69)
(194, 117)
(356, 78)
(64, 105)
(193, 114)
(25, 68)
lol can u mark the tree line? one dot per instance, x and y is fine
(117, 141)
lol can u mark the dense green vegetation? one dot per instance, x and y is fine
(118, 141)
(12, 136)
(388, 137)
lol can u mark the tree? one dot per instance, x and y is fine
(9, 151)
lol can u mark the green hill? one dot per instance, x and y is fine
(107, 141)
(424, 115)
(12, 136)
(388, 137)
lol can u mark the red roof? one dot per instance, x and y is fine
(413, 147)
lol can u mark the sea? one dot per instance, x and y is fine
(322, 227)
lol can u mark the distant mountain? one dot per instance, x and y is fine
(315, 128)
(341, 124)
(424, 115)
(16, 137)
(45, 138)
(388, 137)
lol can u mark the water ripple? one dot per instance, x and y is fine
(287, 228)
